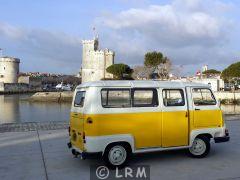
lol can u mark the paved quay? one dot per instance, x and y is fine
(33, 126)
(42, 154)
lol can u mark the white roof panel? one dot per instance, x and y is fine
(140, 83)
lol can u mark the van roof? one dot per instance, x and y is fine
(139, 83)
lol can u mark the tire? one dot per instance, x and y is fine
(117, 155)
(200, 147)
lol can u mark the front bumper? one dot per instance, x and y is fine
(224, 137)
(221, 139)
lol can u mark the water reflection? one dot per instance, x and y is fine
(9, 109)
(16, 108)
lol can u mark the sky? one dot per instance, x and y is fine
(46, 35)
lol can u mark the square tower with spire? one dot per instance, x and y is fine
(95, 61)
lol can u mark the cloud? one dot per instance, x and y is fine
(169, 24)
(10, 31)
(190, 32)
(42, 50)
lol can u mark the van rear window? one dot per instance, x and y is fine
(79, 99)
(116, 98)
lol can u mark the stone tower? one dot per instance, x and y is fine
(9, 69)
(95, 61)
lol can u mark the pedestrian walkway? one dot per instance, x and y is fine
(44, 155)
(33, 126)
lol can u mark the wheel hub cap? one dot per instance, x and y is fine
(117, 155)
(198, 147)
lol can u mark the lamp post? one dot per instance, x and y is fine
(1, 52)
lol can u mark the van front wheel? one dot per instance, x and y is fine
(200, 147)
(116, 155)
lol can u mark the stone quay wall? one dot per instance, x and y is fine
(11, 88)
(65, 96)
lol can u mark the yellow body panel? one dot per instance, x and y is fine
(144, 127)
(174, 129)
(76, 126)
(149, 129)
(207, 119)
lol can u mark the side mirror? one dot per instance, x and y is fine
(219, 103)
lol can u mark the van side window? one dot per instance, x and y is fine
(203, 96)
(79, 99)
(173, 97)
(145, 98)
(116, 98)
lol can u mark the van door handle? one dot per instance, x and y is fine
(196, 109)
(89, 121)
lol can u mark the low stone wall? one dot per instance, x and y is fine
(17, 87)
(65, 96)
(228, 97)
(11, 88)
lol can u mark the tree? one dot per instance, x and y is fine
(231, 72)
(158, 63)
(120, 71)
(211, 72)
(153, 59)
(164, 68)
(141, 72)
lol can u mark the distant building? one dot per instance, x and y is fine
(216, 83)
(33, 82)
(9, 69)
(95, 61)
(204, 68)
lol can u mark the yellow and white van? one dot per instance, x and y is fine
(117, 118)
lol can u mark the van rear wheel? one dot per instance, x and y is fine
(200, 147)
(116, 155)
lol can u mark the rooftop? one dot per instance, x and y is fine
(9, 59)
(139, 83)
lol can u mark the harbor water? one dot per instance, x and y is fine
(17, 108)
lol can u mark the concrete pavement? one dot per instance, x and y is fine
(44, 155)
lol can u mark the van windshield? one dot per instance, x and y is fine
(79, 99)
(203, 96)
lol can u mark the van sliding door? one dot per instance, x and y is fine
(174, 118)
